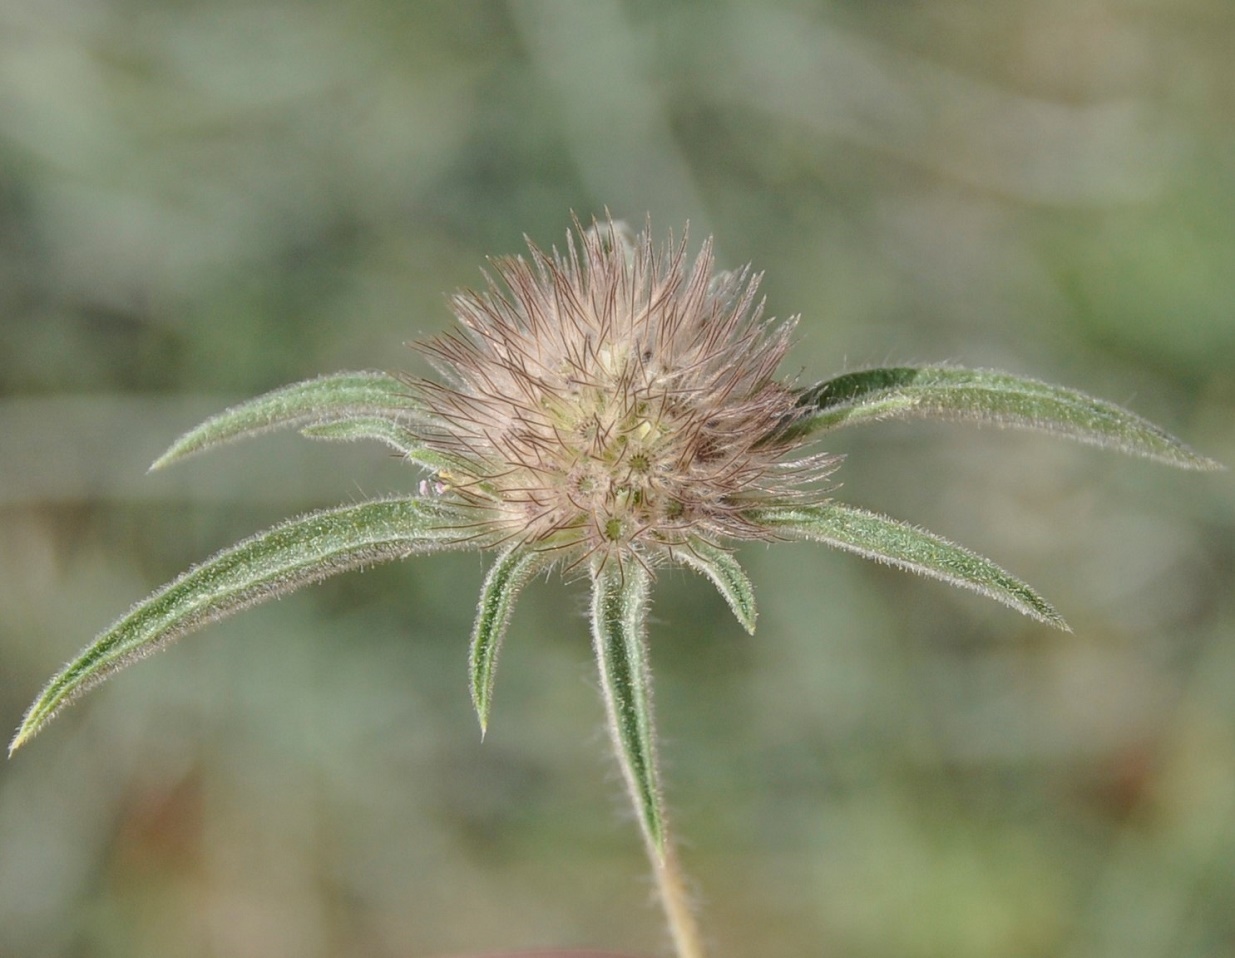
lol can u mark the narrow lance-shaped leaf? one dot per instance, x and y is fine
(403, 441)
(900, 544)
(271, 563)
(388, 431)
(726, 574)
(619, 608)
(943, 392)
(511, 571)
(394, 434)
(328, 399)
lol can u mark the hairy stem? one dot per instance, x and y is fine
(619, 612)
(675, 900)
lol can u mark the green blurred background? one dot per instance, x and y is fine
(203, 200)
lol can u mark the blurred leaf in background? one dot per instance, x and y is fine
(203, 201)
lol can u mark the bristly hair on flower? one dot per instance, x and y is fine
(614, 401)
(605, 409)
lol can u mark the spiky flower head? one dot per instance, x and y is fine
(615, 399)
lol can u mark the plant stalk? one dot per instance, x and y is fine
(675, 900)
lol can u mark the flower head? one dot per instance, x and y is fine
(616, 400)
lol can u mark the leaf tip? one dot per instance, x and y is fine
(1204, 464)
(175, 452)
(481, 704)
(1057, 621)
(1033, 605)
(24, 734)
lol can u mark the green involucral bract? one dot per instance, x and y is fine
(619, 608)
(269, 564)
(727, 575)
(509, 573)
(900, 544)
(341, 398)
(946, 392)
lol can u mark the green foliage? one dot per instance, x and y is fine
(983, 396)
(270, 564)
(508, 574)
(727, 575)
(345, 405)
(619, 610)
(902, 545)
